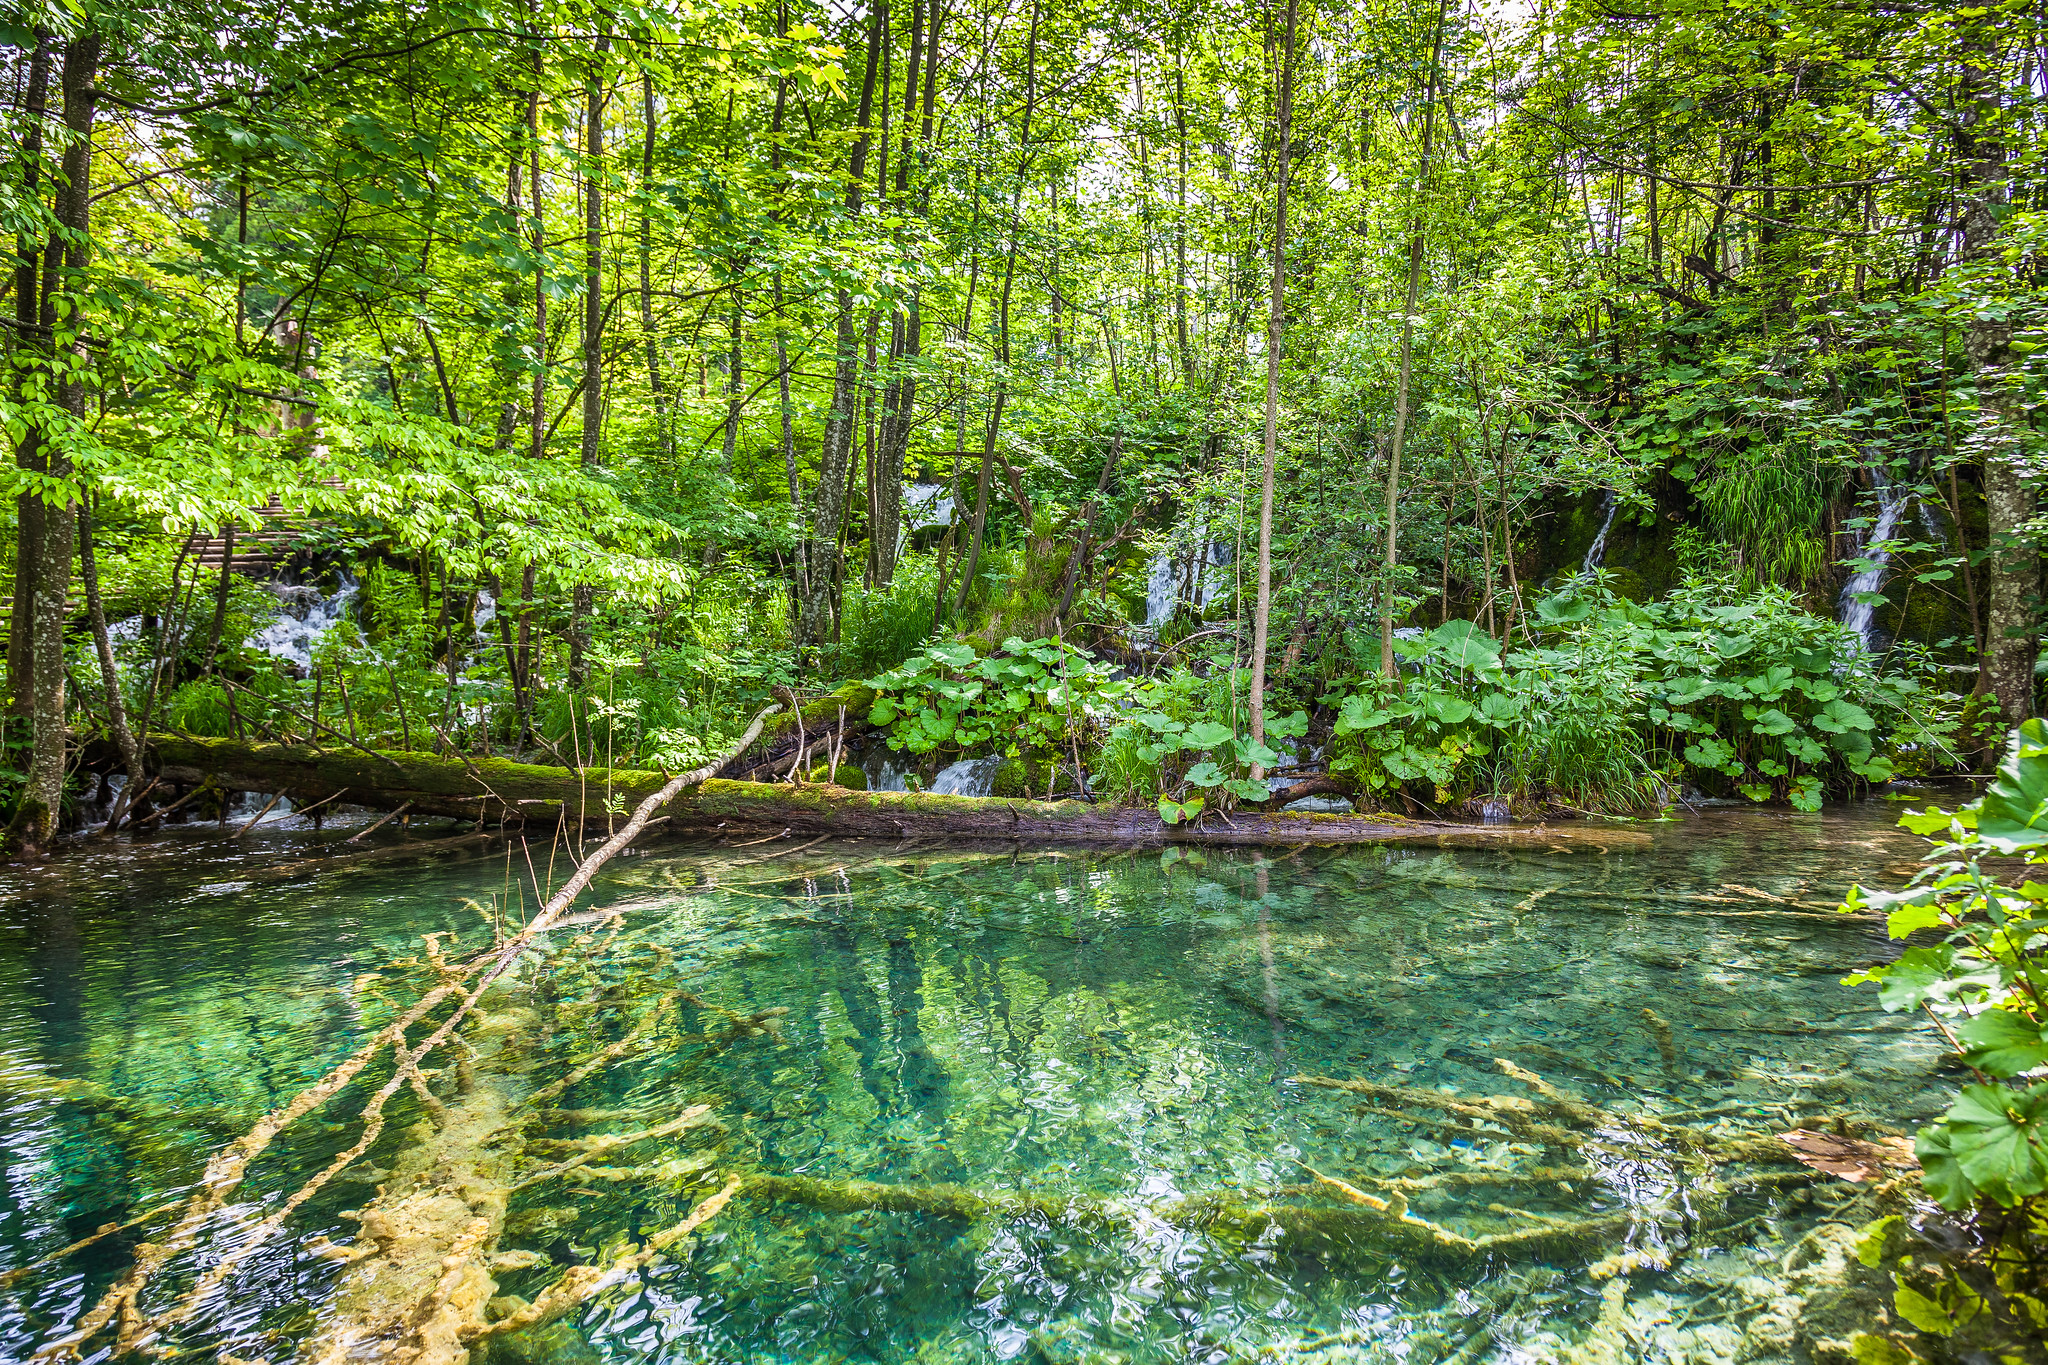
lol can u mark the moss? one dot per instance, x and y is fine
(1021, 778)
(849, 776)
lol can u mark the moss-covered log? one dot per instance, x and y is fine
(492, 789)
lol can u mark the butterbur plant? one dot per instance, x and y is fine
(1984, 980)
(1221, 759)
(1034, 695)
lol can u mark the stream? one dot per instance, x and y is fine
(1120, 1026)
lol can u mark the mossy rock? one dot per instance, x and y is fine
(850, 776)
(1021, 778)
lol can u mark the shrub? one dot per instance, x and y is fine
(1985, 982)
(1615, 701)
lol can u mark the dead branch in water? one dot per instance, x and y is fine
(225, 1171)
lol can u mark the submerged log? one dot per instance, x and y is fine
(498, 790)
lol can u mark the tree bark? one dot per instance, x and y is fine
(2011, 636)
(663, 441)
(28, 452)
(835, 461)
(593, 325)
(110, 675)
(36, 818)
(493, 789)
(1401, 400)
(1276, 322)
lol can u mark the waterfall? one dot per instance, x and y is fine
(927, 504)
(1164, 589)
(968, 777)
(1159, 589)
(1861, 616)
(1597, 551)
(304, 616)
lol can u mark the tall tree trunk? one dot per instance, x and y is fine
(1401, 397)
(593, 325)
(734, 373)
(1276, 315)
(835, 461)
(663, 439)
(906, 341)
(537, 411)
(2012, 640)
(36, 817)
(1002, 336)
(28, 451)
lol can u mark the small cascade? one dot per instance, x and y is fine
(927, 505)
(485, 613)
(1861, 616)
(1596, 553)
(1165, 589)
(248, 804)
(1159, 589)
(883, 772)
(304, 615)
(968, 777)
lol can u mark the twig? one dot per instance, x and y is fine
(386, 819)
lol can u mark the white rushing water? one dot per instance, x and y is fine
(1164, 586)
(968, 777)
(883, 772)
(304, 616)
(927, 504)
(1861, 616)
(1596, 553)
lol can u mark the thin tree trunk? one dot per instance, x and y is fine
(663, 438)
(593, 326)
(836, 458)
(110, 675)
(2013, 566)
(1401, 396)
(1276, 320)
(220, 599)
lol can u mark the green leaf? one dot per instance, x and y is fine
(1206, 774)
(1910, 979)
(1867, 1348)
(1870, 1239)
(2002, 1043)
(1563, 609)
(2012, 815)
(1291, 726)
(1928, 822)
(1923, 1312)
(1208, 734)
(1775, 722)
(1940, 1174)
(1996, 1135)
(1245, 789)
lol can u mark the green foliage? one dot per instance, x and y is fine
(1987, 976)
(1736, 689)
(1033, 696)
(881, 627)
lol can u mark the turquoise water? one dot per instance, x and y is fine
(1114, 1030)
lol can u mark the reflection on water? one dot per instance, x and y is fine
(1113, 1031)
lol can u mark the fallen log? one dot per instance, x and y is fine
(496, 790)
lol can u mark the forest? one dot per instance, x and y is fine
(1270, 424)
